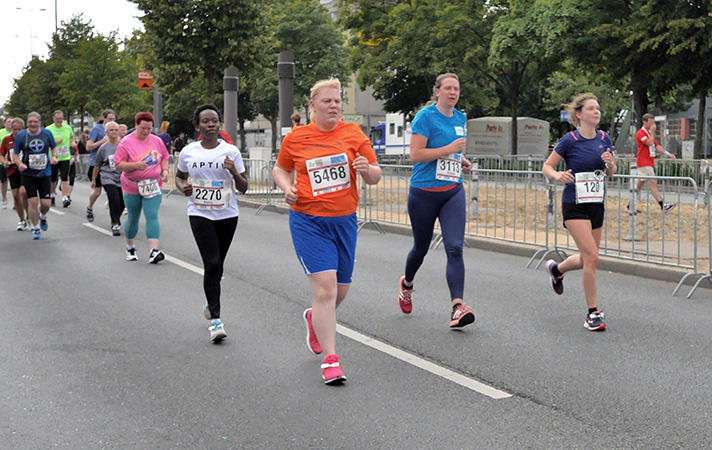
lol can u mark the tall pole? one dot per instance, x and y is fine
(230, 85)
(285, 71)
(157, 107)
(55, 16)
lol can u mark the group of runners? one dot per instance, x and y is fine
(317, 169)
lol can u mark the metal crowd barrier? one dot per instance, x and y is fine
(522, 206)
(262, 187)
(705, 276)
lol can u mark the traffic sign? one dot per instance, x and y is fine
(145, 80)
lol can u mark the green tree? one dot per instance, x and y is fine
(101, 76)
(683, 34)
(199, 39)
(306, 28)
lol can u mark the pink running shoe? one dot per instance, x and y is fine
(331, 370)
(462, 315)
(312, 341)
(405, 297)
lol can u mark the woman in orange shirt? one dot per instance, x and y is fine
(326, 155)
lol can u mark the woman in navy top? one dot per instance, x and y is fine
(588, 156)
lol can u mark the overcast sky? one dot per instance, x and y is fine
(28, 30)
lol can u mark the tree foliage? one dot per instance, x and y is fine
(199, 39)
(84, 71)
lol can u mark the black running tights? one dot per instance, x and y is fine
(116, 202)
(213, 238)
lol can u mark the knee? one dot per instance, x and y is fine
(213, 267)
(589, 260)
(325, 293)
(453, 252)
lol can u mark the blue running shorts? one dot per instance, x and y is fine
(325, 243)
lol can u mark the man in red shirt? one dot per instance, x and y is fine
(648, 147)
(13, 174)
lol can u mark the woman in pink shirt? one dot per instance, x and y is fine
(143, 160)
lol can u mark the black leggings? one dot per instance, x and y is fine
(213, 238)
(116, 202)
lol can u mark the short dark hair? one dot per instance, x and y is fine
(144, 117)
(647, 116)
(205, 107)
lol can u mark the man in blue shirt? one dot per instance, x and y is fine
(96, 138)
(34, 153)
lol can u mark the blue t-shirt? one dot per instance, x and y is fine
(97, 134)
(582, 155)
(35, 150)
(440, 130)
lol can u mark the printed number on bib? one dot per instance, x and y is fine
(62, 152)
(652, 150)
(38, 162)
(211, 195)
(449, 167)
(149, 188)
(590, 187)
(329, 174)
(111, 162)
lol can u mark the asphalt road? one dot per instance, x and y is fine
(97, 352)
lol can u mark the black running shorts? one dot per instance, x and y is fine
(584, 211)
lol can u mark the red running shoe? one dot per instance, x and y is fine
(331, 370)
(312, 341)
(462, 315)
(405, 297)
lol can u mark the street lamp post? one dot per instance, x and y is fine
(32, 53)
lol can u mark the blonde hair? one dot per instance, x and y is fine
(107, 124)
(323, 84)
(577, 105)
(164, 126)
(319, 85)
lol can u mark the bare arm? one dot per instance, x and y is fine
(283, 178)
(549, 169)
(371, 173)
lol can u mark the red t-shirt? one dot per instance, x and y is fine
(8, 142)
(643, 140)
(328, 167)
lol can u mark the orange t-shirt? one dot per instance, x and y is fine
(336, 195)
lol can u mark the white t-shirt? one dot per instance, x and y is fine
(213, 190)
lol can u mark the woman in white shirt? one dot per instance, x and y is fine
(215, 169)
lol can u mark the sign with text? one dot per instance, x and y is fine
(145, 80)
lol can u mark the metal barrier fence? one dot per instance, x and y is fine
(522, 206)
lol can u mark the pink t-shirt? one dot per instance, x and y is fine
(152, 151)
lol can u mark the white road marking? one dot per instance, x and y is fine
(185, 265)
(423, 364)
(99, 229)
(375, 344)
(56, 211)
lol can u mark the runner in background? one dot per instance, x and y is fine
(143, 159)
(64, 137)
(33, 153)
(3, 168)
(18, 191)
(111, 177)
(96, 138)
